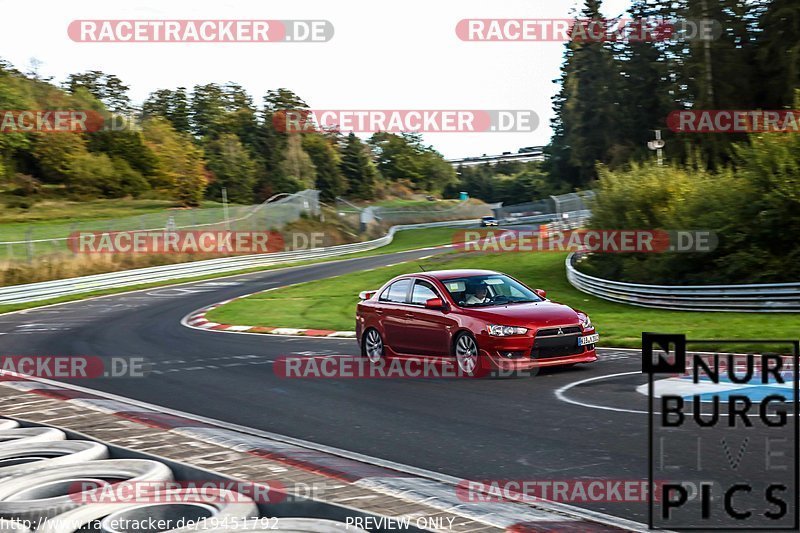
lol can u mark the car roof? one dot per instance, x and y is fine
(458, 273)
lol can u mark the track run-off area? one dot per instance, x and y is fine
(582, 423)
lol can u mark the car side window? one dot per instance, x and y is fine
(423, 291)
(396, 292)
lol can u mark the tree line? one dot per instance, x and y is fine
(744, 187)
(613, 94)
(187, 145)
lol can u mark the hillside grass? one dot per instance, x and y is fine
(50, 219)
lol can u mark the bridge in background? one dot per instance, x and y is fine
(530, 153)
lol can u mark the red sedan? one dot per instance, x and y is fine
(485, 320)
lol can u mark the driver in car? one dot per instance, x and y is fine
(478, 294)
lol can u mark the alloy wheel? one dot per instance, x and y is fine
(373, 346)
(467, 354)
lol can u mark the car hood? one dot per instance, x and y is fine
(537, 314)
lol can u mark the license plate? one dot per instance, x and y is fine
(588, 339)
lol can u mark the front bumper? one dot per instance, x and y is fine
(517, 353)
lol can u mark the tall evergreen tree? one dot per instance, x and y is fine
(171, 105)
(358, 168)
(297, 167)
(107, 88)
(643, 98)
(232, 168)
(778, 53)
(585, 122)
(716, 71)
(179, 113)
(208, 107)
(271, 143)
(326, 159)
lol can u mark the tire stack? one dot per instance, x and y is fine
(42, 474)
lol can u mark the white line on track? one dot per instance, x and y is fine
(561, 395)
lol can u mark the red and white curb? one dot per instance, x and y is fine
(198, 320)
(410, 483)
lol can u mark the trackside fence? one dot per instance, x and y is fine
(754, 298)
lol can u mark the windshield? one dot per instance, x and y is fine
(492, 289)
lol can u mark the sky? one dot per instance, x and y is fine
(384, 55)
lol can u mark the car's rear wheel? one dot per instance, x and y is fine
(372, 346)
(467, 355)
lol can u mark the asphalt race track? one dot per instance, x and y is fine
(518, 428)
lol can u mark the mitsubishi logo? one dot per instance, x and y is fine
(560, 331)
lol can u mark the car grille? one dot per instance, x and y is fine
(548, 343)
(553, 332)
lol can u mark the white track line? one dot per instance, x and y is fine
(560, 394)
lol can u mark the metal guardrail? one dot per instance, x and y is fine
(46, 290)
(753, 298)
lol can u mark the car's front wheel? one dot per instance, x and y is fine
(468, 356)
(372, 346)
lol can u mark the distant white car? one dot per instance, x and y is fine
(489, 221)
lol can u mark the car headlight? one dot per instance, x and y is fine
(505, 331)
(586, 323)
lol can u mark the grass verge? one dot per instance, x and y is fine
(330, 303)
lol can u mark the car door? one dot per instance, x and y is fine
(427, 330)
(393, 306)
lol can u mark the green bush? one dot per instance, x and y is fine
(754, 210)
(18, 202)
(93, 175)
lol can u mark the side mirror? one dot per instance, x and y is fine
(434, 303)
(541, 293)
(366, 295)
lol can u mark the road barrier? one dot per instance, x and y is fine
(753, 298)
